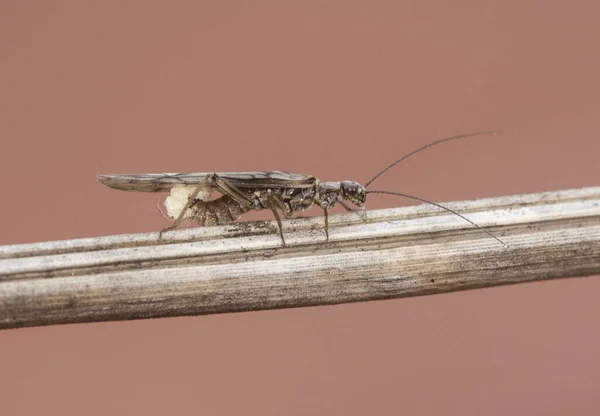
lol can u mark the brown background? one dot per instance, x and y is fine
(332, 88)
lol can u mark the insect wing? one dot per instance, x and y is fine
(161, 182)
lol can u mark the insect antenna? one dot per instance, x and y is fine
(442, 207)
(447, 139)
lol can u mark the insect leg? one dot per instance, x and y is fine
(326, 216)
(346, 207)
(287, 212)
(202, 214)
(361, 211)
(272, 204)
(188, 204)
(227, 188)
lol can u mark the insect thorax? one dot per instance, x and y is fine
(294, 199)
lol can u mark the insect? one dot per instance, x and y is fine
(278, 191)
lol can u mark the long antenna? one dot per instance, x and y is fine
(442, 207)
(447, 139)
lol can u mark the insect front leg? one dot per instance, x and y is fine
(361, 211)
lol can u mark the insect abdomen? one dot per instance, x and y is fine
(223, 210)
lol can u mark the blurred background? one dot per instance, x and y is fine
(336, 89)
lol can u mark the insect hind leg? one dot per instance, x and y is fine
(187, 206)
(223, 186)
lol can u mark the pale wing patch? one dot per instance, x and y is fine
(179, 196)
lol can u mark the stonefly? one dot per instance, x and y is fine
(244, 191)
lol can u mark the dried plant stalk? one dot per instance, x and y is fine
(395, 253)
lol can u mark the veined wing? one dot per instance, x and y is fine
(161, 182)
